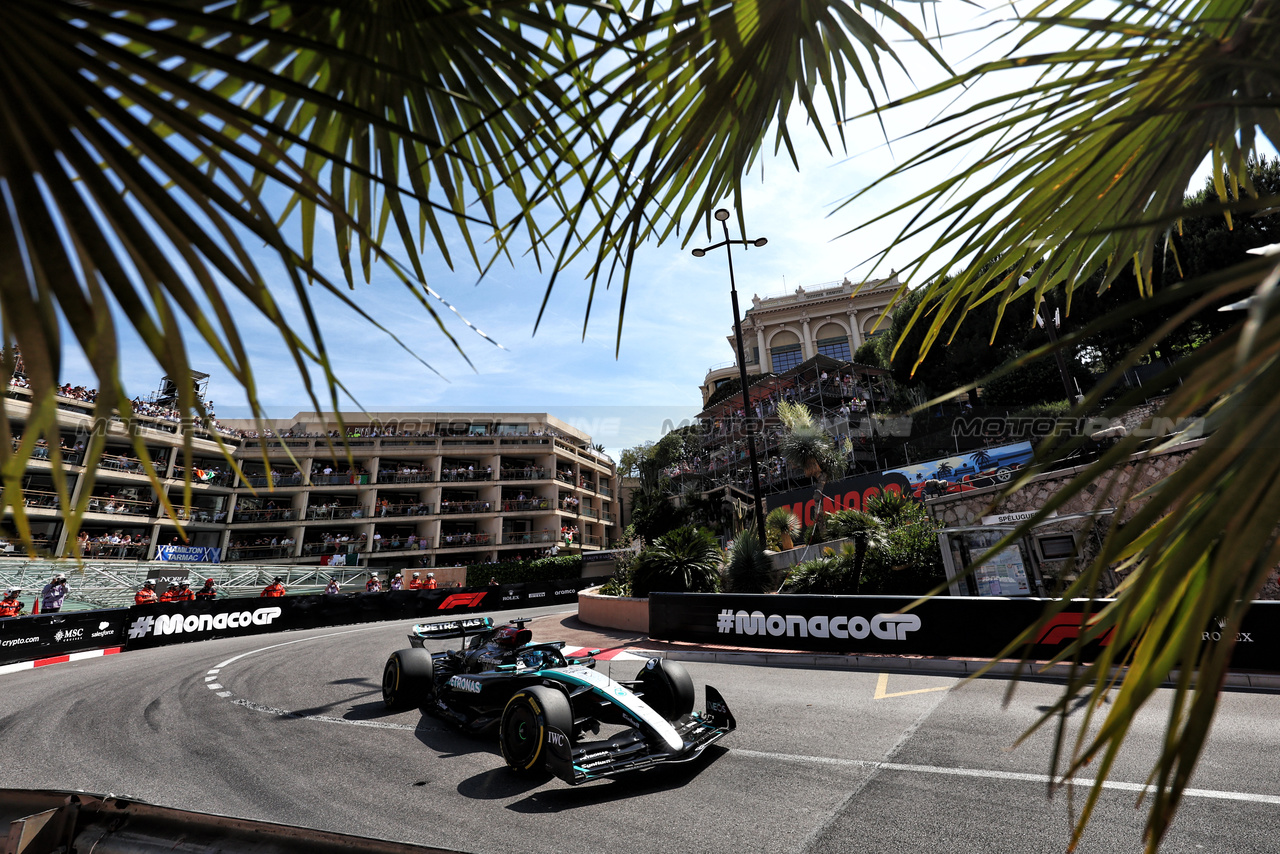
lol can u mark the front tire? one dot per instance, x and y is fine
(526, 720)
(667, 688)
(407, 679)
(1003, 474)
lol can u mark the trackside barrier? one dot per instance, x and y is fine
(180, 622)
(956, 626)
(48, 635)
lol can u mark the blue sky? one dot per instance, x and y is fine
(678, 309)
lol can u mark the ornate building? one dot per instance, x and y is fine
(779, 333)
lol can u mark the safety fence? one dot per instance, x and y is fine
(954, 626)
(144, 626)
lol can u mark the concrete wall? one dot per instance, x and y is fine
(613, 612)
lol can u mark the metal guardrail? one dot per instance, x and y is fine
(109, 585)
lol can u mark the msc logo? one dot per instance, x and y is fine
(462, 600)
(1066, 627)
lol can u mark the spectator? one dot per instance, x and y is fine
(209, 591)
(430, 583)
(332, 586)
(493, 582)
(274, 589)
(373, 585)
(53, 594)
(147, 595)
(9, 605)
(185, 593)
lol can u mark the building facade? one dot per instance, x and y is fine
(407, 489)
(779, 333)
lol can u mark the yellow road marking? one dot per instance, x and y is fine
(882, 689)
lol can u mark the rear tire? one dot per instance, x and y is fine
(528, 716)
(667, 688)
(407, 679)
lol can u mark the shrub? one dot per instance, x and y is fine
(749, 569)
(686, 560)
(780, 527)
(846, 523)
(515, 571)
(830, 575)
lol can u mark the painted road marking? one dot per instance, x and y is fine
(882, 689)
(985, 773)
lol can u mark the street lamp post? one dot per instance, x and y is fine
(1051, 327)
(727, 243)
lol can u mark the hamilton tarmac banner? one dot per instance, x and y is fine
(977, 627)
(166, 623)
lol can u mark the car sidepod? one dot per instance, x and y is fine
(649, 739)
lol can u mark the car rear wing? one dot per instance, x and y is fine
(450, 628)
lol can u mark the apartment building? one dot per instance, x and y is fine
(408, 489)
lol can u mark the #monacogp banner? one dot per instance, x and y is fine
(966, 626)
(178, 622)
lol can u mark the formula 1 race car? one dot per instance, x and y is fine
(543, 704)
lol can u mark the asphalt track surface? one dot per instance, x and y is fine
(290, 728)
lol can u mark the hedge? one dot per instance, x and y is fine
(513, 571)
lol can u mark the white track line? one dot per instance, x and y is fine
(1043, 779)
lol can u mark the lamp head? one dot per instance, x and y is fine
(698, 253)
(722, 214)
(761, 241)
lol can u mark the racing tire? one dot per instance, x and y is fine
(528, 716)
(666, 688)
(407, 679)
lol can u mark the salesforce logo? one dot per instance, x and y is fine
(883, 626)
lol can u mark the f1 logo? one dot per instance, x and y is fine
(1065, 627)
(462, 600)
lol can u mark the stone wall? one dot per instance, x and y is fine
(1108, 491)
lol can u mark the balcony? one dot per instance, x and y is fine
(330, 513)
(405, 476)
(37, 500)
(120, 506)
(525, 538)
(338, 479)
(461, 474)
(394, 545)
(511, 505)
(590, 512)
(205, 476)
(526, 473)
(286, 514)
(605, 491)
(406, 509)
(106, 551)
(275, 479)
(464, 540)
(335, 547)
(447, 507)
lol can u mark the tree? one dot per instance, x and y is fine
(152, 152)
(805, 445)
(1081, 182)
(749, 569)
(685, 560)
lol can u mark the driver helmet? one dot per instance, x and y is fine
(508, 636)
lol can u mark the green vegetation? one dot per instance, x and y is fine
(513, 571)
(685, 560)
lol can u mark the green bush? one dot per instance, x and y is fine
(846, 523)
(749, 569)
(830, 575)
(686, 560)
(515, 571)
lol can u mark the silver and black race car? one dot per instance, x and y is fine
(548, 709)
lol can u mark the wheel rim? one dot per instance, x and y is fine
(520, 734)
(390, 678)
